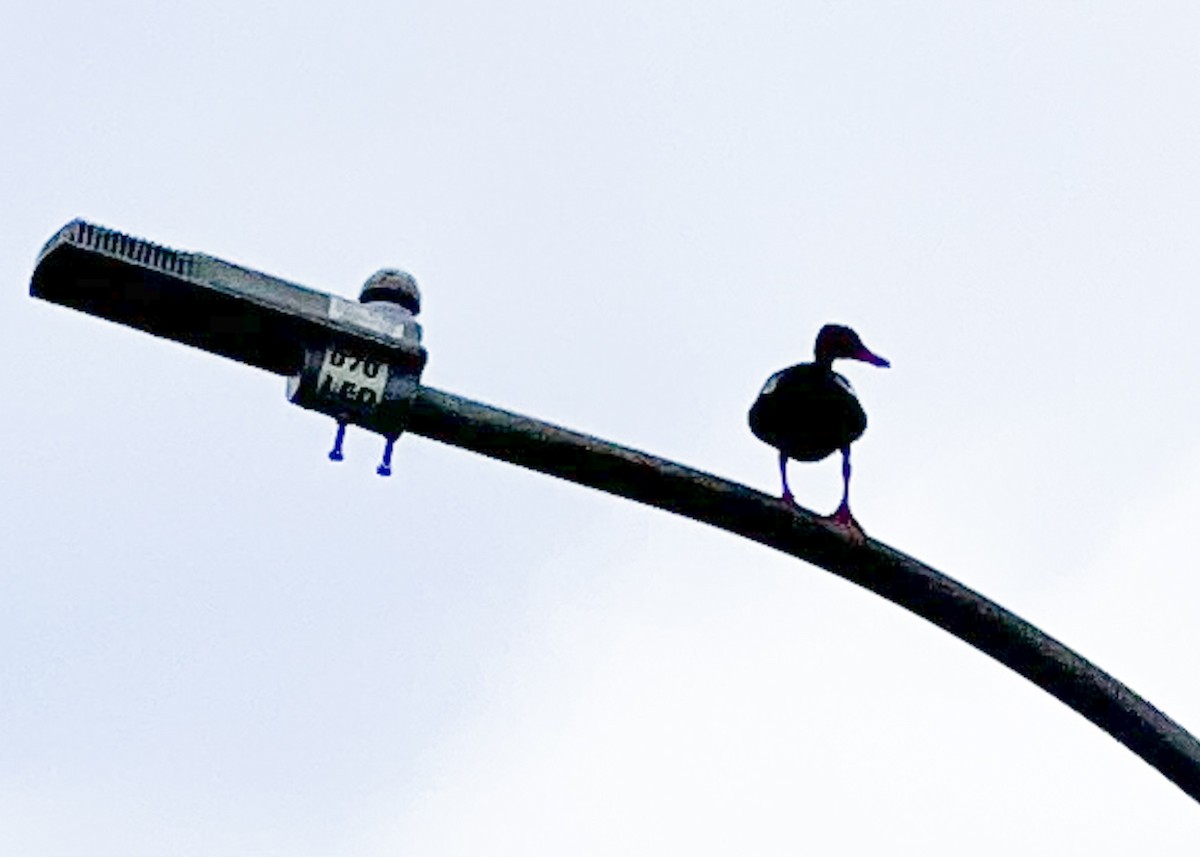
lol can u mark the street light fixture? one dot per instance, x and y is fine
(359, 362)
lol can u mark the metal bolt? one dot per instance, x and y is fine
(392, 286)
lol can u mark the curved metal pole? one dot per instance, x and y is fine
(905, 581)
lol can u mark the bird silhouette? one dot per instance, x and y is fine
(808, 411)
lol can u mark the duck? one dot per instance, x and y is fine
(808, 411)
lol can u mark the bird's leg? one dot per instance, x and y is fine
(841, 518)
(787, 492)
(843, 510)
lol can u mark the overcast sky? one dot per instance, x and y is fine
(623, 217)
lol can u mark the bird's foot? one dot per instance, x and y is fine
(788, 498)
(843, 522)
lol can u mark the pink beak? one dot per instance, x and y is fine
(867, 357)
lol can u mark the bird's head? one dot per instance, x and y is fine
(837, 341)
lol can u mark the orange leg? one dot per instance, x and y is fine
(842, 519)
(787, 492)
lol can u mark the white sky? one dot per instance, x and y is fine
(623, 216)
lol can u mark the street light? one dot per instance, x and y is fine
(359, 362)
(315, 338)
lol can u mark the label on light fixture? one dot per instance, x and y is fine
(349, 377)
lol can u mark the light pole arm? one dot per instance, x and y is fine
(905, 581)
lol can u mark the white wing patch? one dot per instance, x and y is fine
(772, 383)
(843, 383)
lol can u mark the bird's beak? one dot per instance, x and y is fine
(867, 357)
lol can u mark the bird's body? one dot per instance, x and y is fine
(808, 411)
